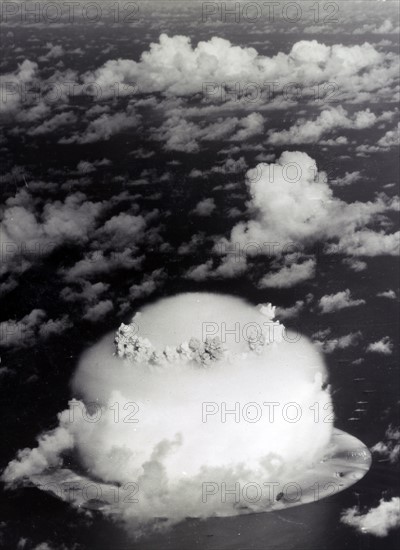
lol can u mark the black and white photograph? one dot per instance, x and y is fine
(199, 275)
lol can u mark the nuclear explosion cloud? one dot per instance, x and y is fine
(201, 392)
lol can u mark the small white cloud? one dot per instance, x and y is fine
(200, 272)
(86, 167)
(343, 342)
(230, 266)
(377, 521)
(309, 131)
(388, 450)
(289, 312)
(99, 311)
(104, 127)
(29, 329)
(354, 264)
(347, 179)
(367, 243)
(54, 327)
(195, 173)
(205, 207)
(289, 276)
(190, 247)
(335, 302)
(54, 52)
(383, 346)
(389, 140)
(250, 126)
(149, 285)
(387, 294)
(54, 123)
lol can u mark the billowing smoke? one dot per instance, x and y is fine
(200, 393)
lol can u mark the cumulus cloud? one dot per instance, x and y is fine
(376, 521)
(27, 237)
(252, 125)
(86, 167)
(389, 448)
(205, 207)
(347, 179)
(367, 242)
(116, 245)
(19, 101)
(333, 344)
(98, 261)
(290, 312)
(120, 232)
(191, 246)
(289, 275)
(354, 264)
(386, 27)
(29, 329)
(148, 286)
(12, 84)
(69, 220)
(388, 141)
(104, 127)
(53, 124)
(54, 51)
(310, 131)
(54, 327)
(87, 292)
(98, 311)
(383, 346)
(293, 184)
(229, 267)
(387, 294)
(335, 302)
(173, 66)
(180, 134)
(231, 166)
